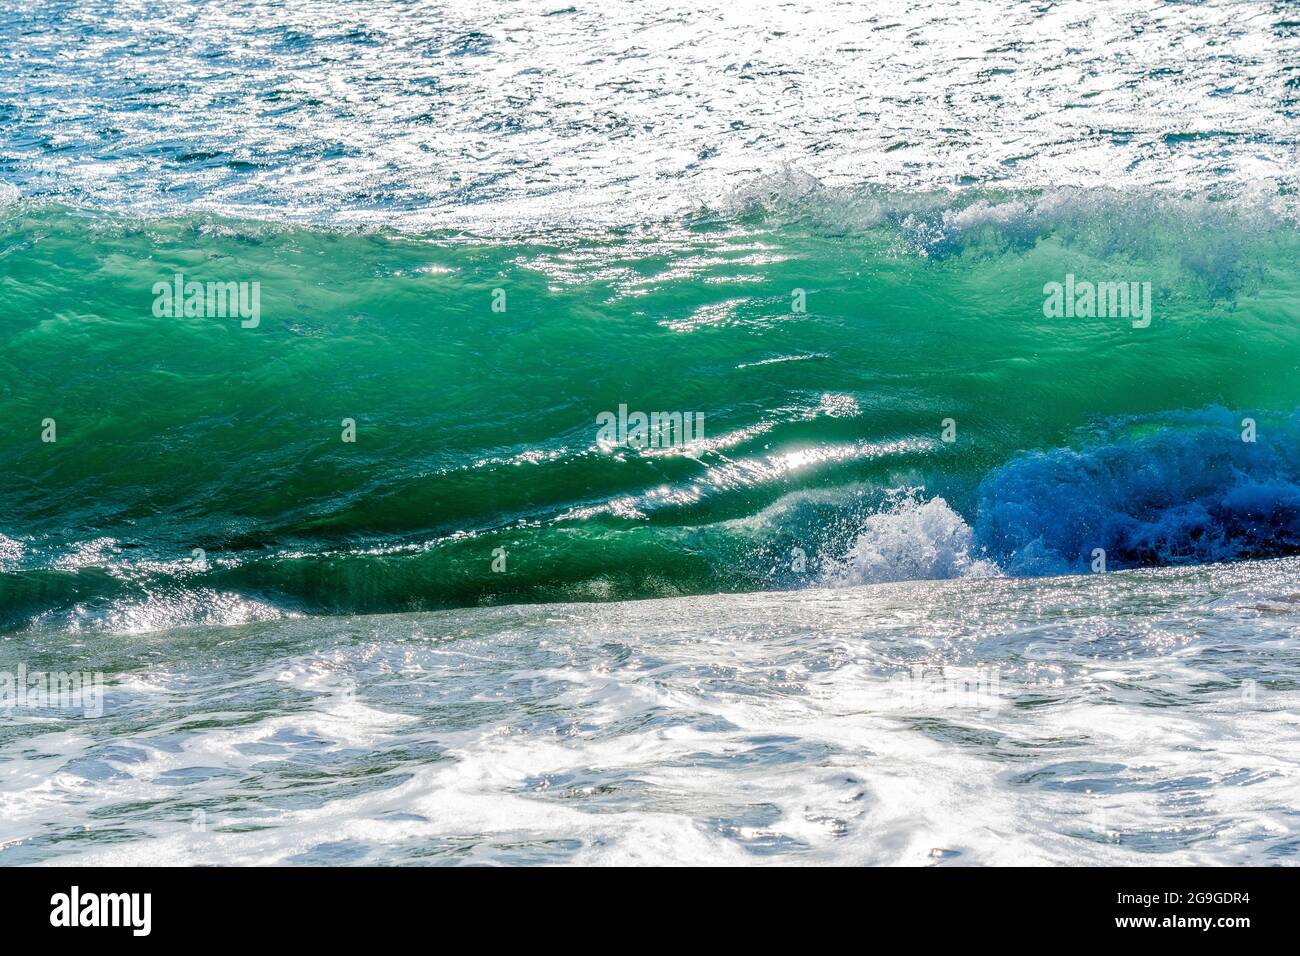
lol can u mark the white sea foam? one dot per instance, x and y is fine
(910, 539)
(815, 726)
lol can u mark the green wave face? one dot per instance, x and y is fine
(824, 350)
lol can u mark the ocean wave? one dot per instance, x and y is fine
(1184, 488)
(476, 429)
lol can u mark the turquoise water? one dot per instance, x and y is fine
(476, 430)
(365, 578)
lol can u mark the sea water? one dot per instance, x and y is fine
(944, 572)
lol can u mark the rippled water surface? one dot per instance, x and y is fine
(1140, 717)
(493, 115)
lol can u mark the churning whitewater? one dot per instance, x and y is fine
(1125, 718)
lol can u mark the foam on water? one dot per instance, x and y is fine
(910, 540)
(1127, 718)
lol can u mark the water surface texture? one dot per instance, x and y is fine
(947, 578)
(1145, 716)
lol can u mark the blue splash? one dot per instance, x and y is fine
(1190, 492)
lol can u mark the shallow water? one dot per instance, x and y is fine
(1136, 717)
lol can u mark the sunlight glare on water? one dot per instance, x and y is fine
(537, 113)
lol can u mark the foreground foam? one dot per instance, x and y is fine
(1130, 718)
